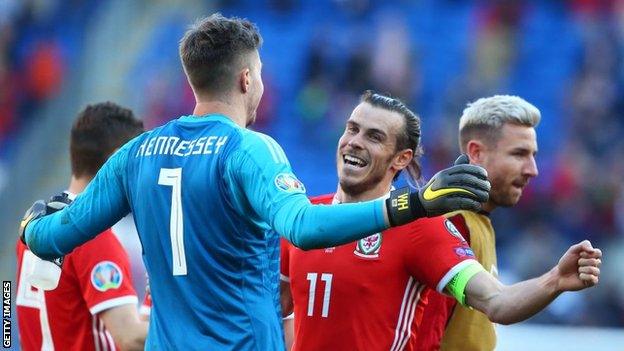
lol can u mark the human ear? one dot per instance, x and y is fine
(244, 79)
(402, 159)
(475, 149)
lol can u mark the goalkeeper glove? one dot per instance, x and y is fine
(460, 187)
(42, 208)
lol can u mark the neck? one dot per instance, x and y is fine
(77, 185)
(372, 194)
(232, 111)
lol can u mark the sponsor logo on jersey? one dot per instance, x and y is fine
(369, 247)
(288, 183)
(462, 251)
(106, 275)
(453, 230)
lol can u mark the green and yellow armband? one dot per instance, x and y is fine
(457, 285)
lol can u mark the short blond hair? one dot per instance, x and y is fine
(484, 118)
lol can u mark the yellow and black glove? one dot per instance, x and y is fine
(42, 208)
(460, 187)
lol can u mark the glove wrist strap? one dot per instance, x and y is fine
(399, 207)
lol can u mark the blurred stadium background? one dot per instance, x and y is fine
(566, 57)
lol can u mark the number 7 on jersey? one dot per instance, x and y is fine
(173, 177)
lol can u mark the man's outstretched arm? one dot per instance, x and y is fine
(274, 192)
(578, 268)
(461, 186)
(102, 204)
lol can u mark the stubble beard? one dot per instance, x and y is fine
(506, 199)
(356, 188)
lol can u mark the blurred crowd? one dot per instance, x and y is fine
(39, 40)
(566, 57)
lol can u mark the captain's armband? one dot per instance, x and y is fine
(457, 285)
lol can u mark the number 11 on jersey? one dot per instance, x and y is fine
(173, 177)
(327, 278)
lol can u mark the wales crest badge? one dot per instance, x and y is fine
(369, 246)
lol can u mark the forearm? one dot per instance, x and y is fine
(315, 226)
(289, 332)
(132, 338)
(125, 326)
(57, 234)
(53, 236)
(101, 205)
(517, 302)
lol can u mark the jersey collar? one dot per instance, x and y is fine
(206, 118)
(335, 200)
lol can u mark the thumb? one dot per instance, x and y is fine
(462, 160)
(584, 245)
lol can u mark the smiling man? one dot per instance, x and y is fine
(370, 294)
(497, 133)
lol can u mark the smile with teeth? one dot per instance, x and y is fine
(354, 161)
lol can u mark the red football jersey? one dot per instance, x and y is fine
(370, 295)
(439, 308)
(95, 277)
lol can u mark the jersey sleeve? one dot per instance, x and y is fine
(102, 270)
(102, 204)
(260, 168)
(435, 251)
(459, 222)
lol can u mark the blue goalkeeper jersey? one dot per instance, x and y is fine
(209, 199)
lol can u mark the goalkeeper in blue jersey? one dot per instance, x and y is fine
(210, 199)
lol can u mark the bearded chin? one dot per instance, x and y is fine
(504, 200)
(355, 188)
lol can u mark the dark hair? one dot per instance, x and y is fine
(214, 49)
(409, 138)
(98, 131)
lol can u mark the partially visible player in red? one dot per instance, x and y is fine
(369, 295)
(94, 306)
(499, 134)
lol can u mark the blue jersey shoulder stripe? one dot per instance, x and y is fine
(273, 154)
(276, 151)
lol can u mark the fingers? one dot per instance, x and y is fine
(595, 262)
(594, 253)
(471, 183)
(462, 160)
(584, 245)
(467, 179)
(588, 279)
(586, 250)
(474, 170)
(591, 270)
(463, 203)
(480, 195)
